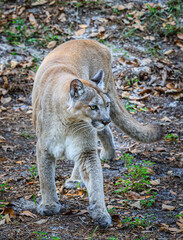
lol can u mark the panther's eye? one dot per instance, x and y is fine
(107, 104)
(93, 107)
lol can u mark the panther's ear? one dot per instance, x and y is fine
(76, 88)
(98, 79)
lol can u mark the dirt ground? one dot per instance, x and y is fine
(146, 41)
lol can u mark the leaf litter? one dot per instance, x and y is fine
(148, 70)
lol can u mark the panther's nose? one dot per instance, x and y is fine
(106, 121)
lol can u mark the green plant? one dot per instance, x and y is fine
(34, 198)
(171, 137)
(179, 215)
(154, 51)
(127, 158)
(4, 187)
(143, 109)
(148, 202)
(132, 81)
(137, 176)
(91, 237)
(112, 238)
(130, 107)
(143, 237)
(27, 135)
(127, 33)
(165, 20)
(1, 204)
(33, 170)
(102, 41)
(41, 235)
(130, 222)
(112, 210)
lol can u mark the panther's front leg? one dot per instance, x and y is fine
(91, 172)
(75, 180)
(46, 167)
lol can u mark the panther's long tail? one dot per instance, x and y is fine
(123, 120)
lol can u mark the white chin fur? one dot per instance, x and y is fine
(100, 128)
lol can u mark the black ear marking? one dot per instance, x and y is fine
(76, 88)
(98, 79)
(99, 76)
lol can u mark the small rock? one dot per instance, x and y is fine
(173, 104)
(170, 173)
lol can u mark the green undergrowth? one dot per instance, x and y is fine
(137, 176)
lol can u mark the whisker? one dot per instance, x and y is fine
(80, 128)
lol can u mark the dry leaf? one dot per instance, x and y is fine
(167, 207)
(39, 2)
(2, 139)
(146, 61)
(155, 182)
(42, 221)
(82, 212)
(94, 34)
(145, 91)
(129, 5)
(179, 44)
(13, 64)
(2, 159)
(136, 205)
(107, 166)
(101, 29)
(9, 211)
(5, 100)
(103, 20)
(168, 52)
(175, 230)
(150, 171)
(132, 195)
(180, 223)
(7, 218)
(166, 119)
(2, 222)
(51, 44)
(173, 193)
(120, 7)
(28, 214)
(19, 162)
(27, 64)
(170, 86)
(80, 32)
(180, 35)
(151, 38)
(138, 25)
(6, 84)
(33, 20)
(80, 192)
(83, 26)
(62, 17)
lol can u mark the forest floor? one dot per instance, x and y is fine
(143, 185)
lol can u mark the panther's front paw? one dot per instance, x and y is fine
(107, 155)
(73, 183)
(48, 209)
(103, 219)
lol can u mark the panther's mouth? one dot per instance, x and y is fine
(100, 125)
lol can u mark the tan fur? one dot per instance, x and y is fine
(82, 59)
(66, 126)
